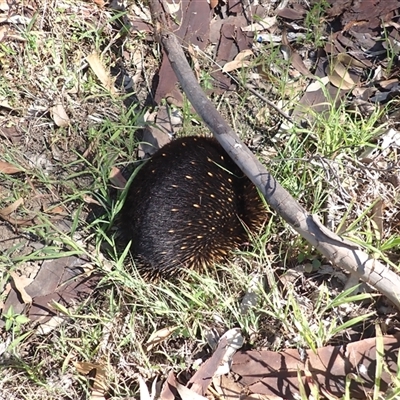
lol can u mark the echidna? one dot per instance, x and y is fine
(187, 207)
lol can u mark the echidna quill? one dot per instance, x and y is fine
(188, 207)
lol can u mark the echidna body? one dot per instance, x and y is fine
(187, 207)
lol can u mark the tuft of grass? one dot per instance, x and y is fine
(313, 22)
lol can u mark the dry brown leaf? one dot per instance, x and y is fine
(243, 54)
(20, 283)
(90, 200)
(56, 210)
(298, 64)
(59, 282)
(19, 222)
(388, 84)
(339, 71)
(100, 386)
(261, 25)
(201, 380)
(101, 72)
(59, 115)
(12, 207)
(349, 61)
(276, 373)
(292, 11)
(191, 24)
(339, 76)
(290, 53)
(156, 135)
(116, 178)
(238, 62)
(7, 168)
(159, 336)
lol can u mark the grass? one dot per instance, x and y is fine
(68, 169)
(314, 25)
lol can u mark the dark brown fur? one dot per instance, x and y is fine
(186, 207)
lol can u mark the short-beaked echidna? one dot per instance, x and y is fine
(187, 207)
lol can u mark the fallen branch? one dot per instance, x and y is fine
(340, 252)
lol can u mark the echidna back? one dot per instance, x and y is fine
(186, 207)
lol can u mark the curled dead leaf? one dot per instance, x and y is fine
(90, 200)
(339, 67)
(232, 65)
(56, 210)
(339, 76)
(349, 61)
(20, 283)
(59, 115)
(238, 62)
(12, 207)
(159, 336)
(243, 54)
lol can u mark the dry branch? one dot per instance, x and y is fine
(340, 252)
